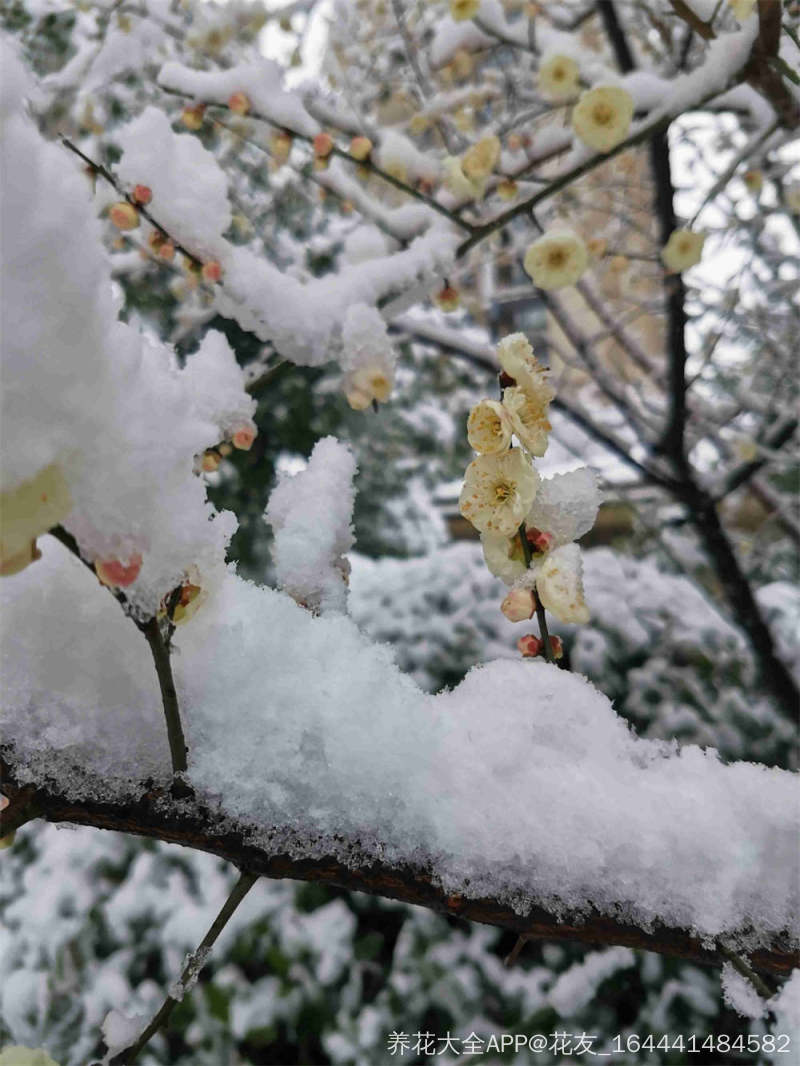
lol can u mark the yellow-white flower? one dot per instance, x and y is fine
(602, 117)
(489, 427)
(517, 359)
(559, 584)
(557, 259)
(25, 1056)
(683, 250)
(528, 412)
(742, 9)
(498, 491)
(29, 510)
(368, 383)
(503, 556)
(460, 10)
(479, 160)
(559, 77)
(459, 184)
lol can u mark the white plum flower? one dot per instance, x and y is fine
(528, 412)
(559, 77)
(683, 250)
(479, 161)
(368, 357)
(518, 361)
(489, 427)
(559, 584)
(498, 491)
(503, 556)
(459, 184)
(565, 506)
(602, 117)
(369, 383)
(556, 259)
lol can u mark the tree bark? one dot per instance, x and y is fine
(190, 823)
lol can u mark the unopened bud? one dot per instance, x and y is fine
(323, 145)
(191, 598)
(166, 251)
(529, 646)
(116, 574)
(507, 189)
(754, 180)
(192, 117)
(360, 147)
(124, 215)
(519, 605)
(210, 462)
(239, 103)
(212, 271)
(142, 194)
(244, 436)
(447, 299)
(539, 541)
(281, 145)
(557, 647)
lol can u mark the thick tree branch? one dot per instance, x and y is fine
(190, 823)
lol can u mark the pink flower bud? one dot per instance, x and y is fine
(323, 145)
(556, 647)
(539, 541)
(212, 271)
(116, 574)
(239, 103)
(519, 605)
(529, 646)
(244, 436)
(210, 462)
(142, 194)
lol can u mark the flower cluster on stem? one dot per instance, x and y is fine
(528, 524)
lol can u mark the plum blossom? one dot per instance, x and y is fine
(602, 117)
(559, 78)
(683, 250)
(498, 491)
(556, 259)
(480, 160)
(489, 427)
(527, 411)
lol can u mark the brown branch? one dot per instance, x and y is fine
(190, 823)
(159, 649)
(760, 71)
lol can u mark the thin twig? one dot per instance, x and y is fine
(741, 965)
(160, 650)
(191, 969)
